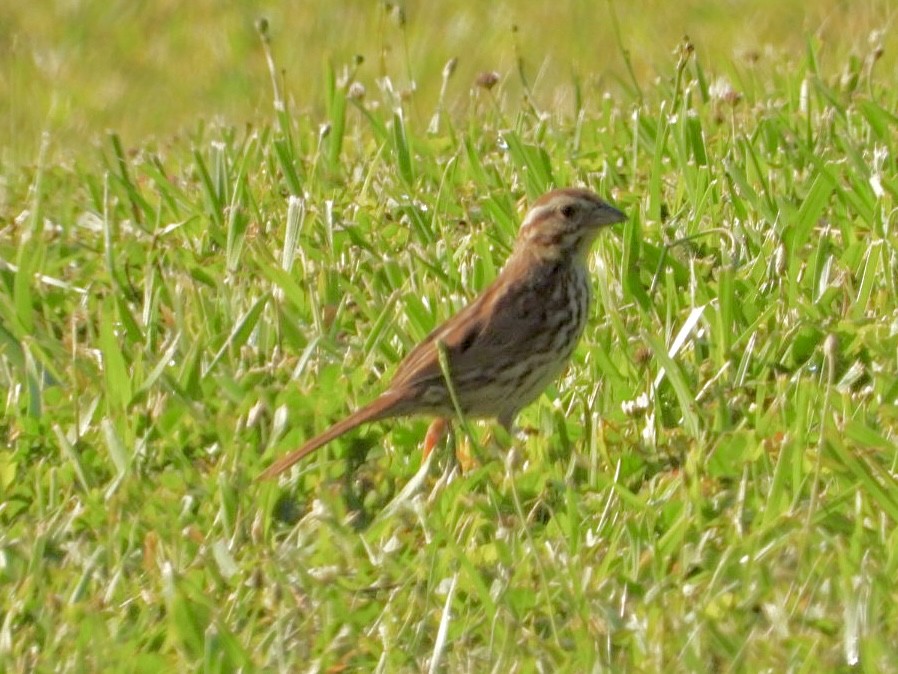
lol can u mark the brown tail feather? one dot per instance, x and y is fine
(380, 408)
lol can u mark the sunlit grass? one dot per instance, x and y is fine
(710, 486)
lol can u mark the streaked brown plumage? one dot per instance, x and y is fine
(508, 344)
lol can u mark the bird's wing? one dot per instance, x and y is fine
(475, 338)
(459, 334)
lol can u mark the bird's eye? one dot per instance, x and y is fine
(568, 210)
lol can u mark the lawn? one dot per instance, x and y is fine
(218, 235)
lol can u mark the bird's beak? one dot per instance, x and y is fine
(608, 215)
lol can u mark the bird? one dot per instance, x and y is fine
(511, 341)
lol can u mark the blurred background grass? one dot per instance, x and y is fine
(77, 68)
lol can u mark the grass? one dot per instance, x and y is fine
(709, 488)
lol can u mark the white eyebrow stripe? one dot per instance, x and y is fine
(537, 213)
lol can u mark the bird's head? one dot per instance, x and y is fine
(564, 223)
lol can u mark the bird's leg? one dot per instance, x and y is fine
(499, 443)
(506, 421)
(463, 453)
(435, 432)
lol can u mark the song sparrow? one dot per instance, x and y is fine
(507, 345)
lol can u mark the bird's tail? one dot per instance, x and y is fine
(380, 408)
